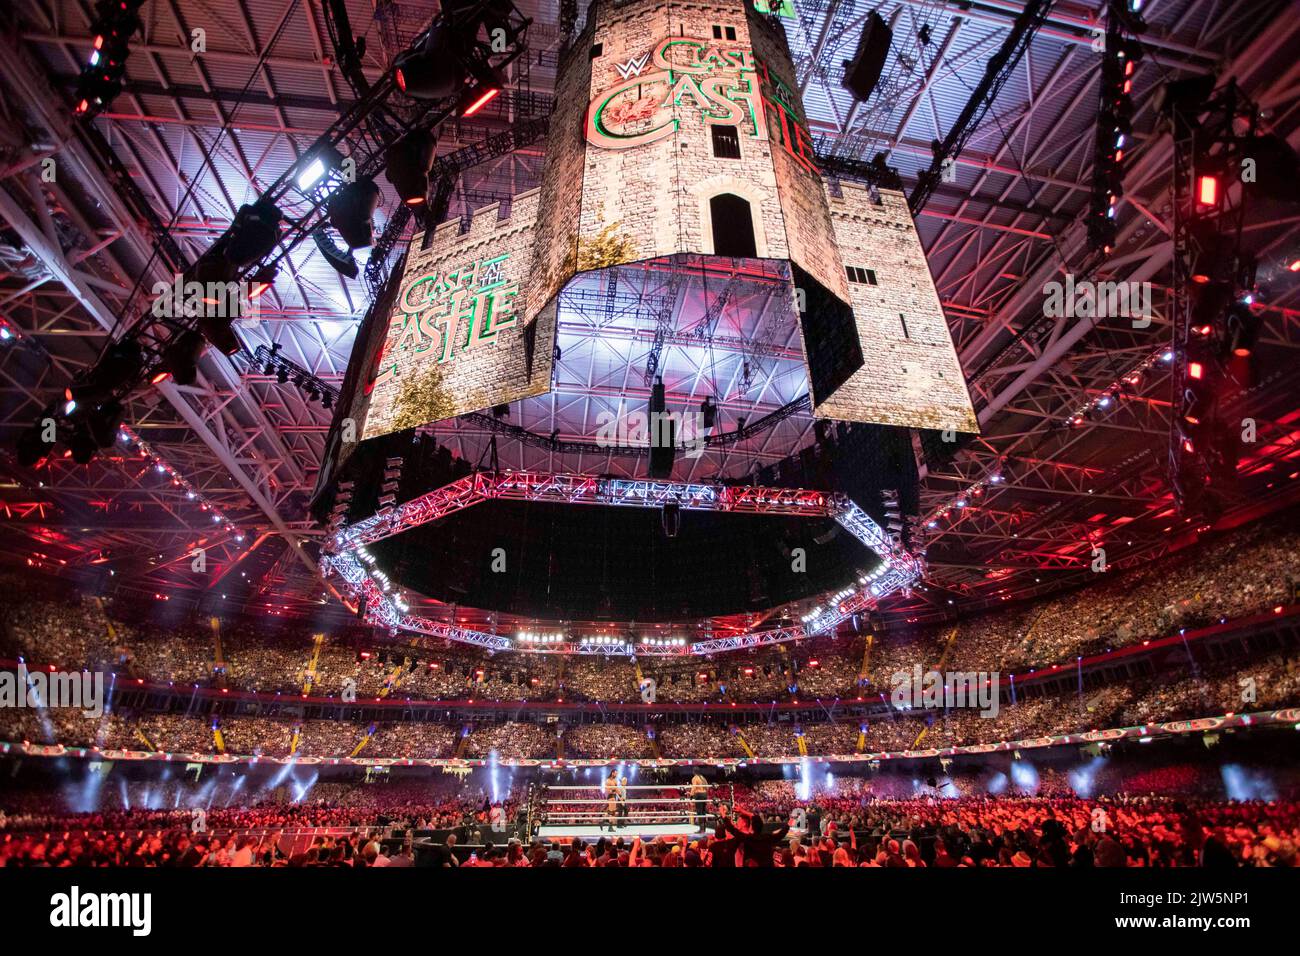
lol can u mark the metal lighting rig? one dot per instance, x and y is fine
(349, 557)
(1214, 135)
(157, 344)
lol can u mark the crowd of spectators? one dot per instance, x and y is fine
(1207, 690)
(608, 740)
(769, 825)
(1245, 572)
(699, 740)
(511, 739)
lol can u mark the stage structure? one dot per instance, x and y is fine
(677, 132)
(683, 256)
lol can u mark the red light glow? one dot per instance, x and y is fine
(481, 101)
(1207, 190)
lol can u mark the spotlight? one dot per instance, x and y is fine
(31, 447)
(82, 446)
(180, 359)
(350, 211)
(1243, 330)
(262, 281)
(319, 174)
(311, 174)
(103, 422)
(1207, 191)
(254, 232)
(407, 163)
(214, 274)
(431, 71)
(220, 332)
(480, 95)
(220, 301)
(100, 81)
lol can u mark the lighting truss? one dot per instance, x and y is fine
(382, 611)
(560, 446)
(347, 554)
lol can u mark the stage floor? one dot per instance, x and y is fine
(643, 830)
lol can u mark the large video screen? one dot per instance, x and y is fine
(456, 340)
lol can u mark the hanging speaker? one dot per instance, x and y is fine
(862, 73)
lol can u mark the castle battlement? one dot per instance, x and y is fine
(855, 200)
(486, 223)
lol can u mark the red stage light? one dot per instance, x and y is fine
(1207, 190)
(1294, 266)
(1195, 370)
(480, 101)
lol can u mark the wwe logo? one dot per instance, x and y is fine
(633, 67)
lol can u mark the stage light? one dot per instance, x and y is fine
(311, 174)
(262, 281)
(100, 81)
(1207, 191)
(220, 332)
(350, 210)
(214, 273)
(340, 260)
(479, 96)
(1242, 329)
(180, 359)
(431, 71)
(254, 232)
(103, 422)
(31, 448)
(119, 366)
(1195, 370)
(320, 174)
(407, 164)
(83, 447)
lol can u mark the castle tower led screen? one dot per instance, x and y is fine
(677, 129)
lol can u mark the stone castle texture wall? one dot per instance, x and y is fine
(456, 340)
(643, 190)
(560, 194)
(911, 375)
(631, 166)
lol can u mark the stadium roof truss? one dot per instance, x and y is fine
(198, 134)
